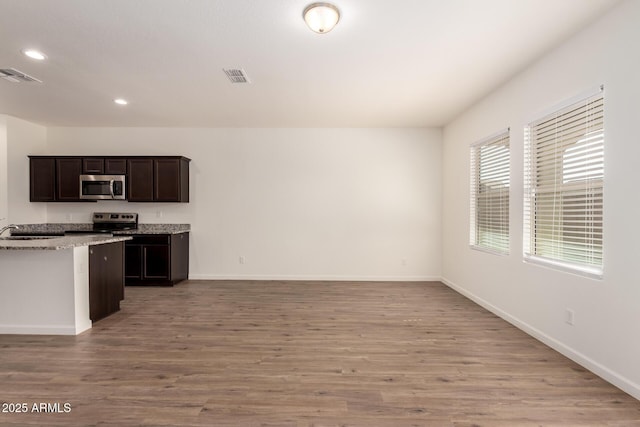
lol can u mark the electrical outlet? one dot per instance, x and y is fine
(569, 316)
(241, 259)
(403, 262)
(158, 214)
(68, 217)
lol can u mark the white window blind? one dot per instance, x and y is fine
(489, 228)
(564, 172)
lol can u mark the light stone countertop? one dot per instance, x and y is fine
(157, 229)
(60, 228)
(58, 242)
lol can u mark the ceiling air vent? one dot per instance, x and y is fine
(236, 75)
(15, 76)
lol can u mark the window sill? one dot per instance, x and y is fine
(580, 270)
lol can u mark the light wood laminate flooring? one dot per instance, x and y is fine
(225, 353)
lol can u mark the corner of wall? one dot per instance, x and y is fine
(4, 185)
(23, 138)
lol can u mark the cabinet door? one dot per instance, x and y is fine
(155, 262)
(97, 284)
(42, 186)
(106, 284)
(133, 261)
(167, 180)
(179, 257)
(140, 180)
(115, 166)
(115, 275)
(68, 173)
(93, 166)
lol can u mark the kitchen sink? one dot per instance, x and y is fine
(27, 237)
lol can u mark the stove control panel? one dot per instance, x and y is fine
(114, 217)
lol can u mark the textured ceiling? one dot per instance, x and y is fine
(387, 63)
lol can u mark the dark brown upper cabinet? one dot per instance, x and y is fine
(93, 166)
(158, 179)
(68, 171)
(149, 178)
(171, 180)
(140, 180)
(115, 166)
(42, 172)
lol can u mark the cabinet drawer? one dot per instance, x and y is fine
(149, 239)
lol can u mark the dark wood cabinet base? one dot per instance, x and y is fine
(106, 285)
(157, 259)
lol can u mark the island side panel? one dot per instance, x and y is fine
(81, 288)
(37, 289)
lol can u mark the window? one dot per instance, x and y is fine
(564, 171)
(489, 228)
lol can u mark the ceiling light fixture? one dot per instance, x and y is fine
(34, 54)
(321, 17)
(121, 101)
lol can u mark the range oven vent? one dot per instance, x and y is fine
(236, 75)
(17, 76)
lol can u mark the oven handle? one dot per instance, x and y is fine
(113, 196)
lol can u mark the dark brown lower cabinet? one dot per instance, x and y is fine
(157, 259)
(106, 279)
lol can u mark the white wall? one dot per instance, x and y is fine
(44, 292)
(606, 333)
(3, 172)
(295, 203)
(18, 139)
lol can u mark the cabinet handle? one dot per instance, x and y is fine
(105, 258)
(91, 251)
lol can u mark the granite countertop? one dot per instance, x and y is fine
(60, 228)
(157, 229)
(58, 242)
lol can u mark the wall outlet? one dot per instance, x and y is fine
(68, 217)
(159, 214)
(241, 259)
(569, 316)
(403, 262)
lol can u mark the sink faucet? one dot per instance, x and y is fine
(8, 227)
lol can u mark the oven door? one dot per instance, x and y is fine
(102, 187)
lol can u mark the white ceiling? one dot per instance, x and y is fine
(400, 63)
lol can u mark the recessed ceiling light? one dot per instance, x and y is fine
(34, 54)
(121, 101)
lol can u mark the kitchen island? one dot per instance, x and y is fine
(45, 282)
(157, 254)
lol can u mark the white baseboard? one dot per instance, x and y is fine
(39, 330)
(316, 278)
(602, 371)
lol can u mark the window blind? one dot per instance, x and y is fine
(489, 229)
(564, 173)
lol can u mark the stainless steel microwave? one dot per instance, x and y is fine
(102, 187)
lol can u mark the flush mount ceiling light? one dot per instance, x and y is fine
(34, 54)
(121, 101)
(321, 17)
